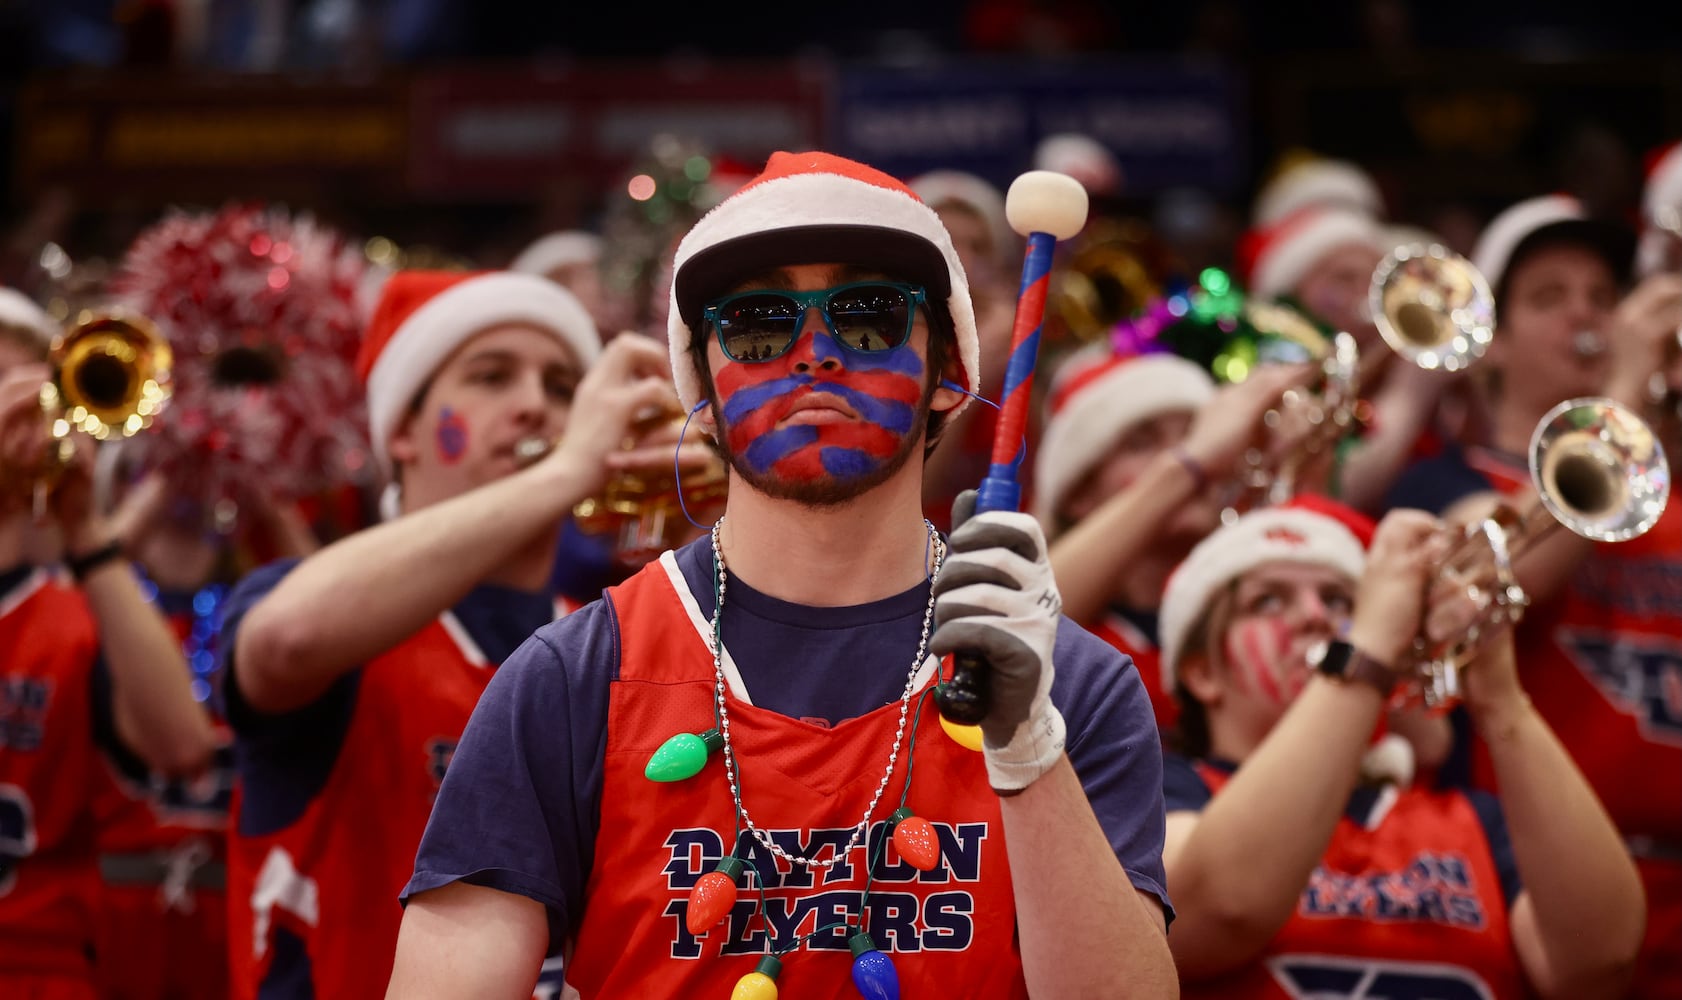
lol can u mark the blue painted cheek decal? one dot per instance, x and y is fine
(451, 437)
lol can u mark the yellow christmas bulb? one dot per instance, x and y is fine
(761, 983)
(968, 737)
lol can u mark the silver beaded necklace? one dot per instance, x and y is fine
(764, 838)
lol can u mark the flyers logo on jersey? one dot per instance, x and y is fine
(1435, 888)
(1640, 676)
(910, 918)
(1329, 977)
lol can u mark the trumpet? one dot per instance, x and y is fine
(1598, 471)
(1111, 273)
(642, 511)
(110, 379)
(1432, 306)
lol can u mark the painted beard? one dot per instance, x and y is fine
(827, 463)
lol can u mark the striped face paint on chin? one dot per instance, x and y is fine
(1258, 652)
(771, 442)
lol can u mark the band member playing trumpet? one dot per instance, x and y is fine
(1285, 640)
(1601, 645)
(349, 676)
(88, 669)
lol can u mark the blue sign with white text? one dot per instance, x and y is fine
(1169, 122)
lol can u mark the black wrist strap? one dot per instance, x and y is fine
(81, 566)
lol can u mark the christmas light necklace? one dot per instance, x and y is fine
(723, 711)
(714, 894)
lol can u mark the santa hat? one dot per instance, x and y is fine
(1663, 191)
(1548, 219)
(19, 312)
(1092, 405)
(423, 316)
(1305, 533)
(816, 208)
(1082, 157)
(556, 250)
(1318, 182)
(978, 195)
(1274, 258)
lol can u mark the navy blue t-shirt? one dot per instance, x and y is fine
(530, 763)
(284, 759)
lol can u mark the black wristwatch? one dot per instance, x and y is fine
(1341, 661)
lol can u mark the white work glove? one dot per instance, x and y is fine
(996, 597)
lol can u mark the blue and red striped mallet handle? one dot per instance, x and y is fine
(1045, 207)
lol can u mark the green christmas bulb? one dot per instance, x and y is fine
(683, 756)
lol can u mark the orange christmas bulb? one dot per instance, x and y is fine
(713, 896)
(915, 839)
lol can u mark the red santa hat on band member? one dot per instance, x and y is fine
(1096, 398)
(816, 208)
(20, 312)
(1317, 182)
(1306, 531)
(1546, 219)
(1274, 258)
(1662, 194)
(423, 316)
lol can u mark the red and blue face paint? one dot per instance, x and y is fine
(884, 389)
(451, 436)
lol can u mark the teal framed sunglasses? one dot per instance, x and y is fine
(867, 317)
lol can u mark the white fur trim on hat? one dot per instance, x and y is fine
(1663, 191)
(20, 311)
(806, 200)
(1300, 243)
(1331, 183)
(1088, 425)
(1082, 157)
(447, 320)
(1273, 534)
(979, 195)
(571, 246)
(1494, 249)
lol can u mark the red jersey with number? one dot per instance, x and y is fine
(1128, 638)
(949, 931)
(49, 885)
(1602, 663)
(332, 877)
(1407, 905)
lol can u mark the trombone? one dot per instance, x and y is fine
(110, 378)
(1599, 471)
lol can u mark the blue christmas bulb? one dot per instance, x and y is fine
(873, 972)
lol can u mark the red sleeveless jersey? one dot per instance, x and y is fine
(949, 932)
(332, 877)
(1413, 908)
(49, 885)
(1147, 659)
(1602, 663)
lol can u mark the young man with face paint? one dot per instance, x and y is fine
(349, 676)
(1283, 641)
(821, 326)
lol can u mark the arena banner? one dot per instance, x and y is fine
(111, 139)
(509, 134)
(1168, 122)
